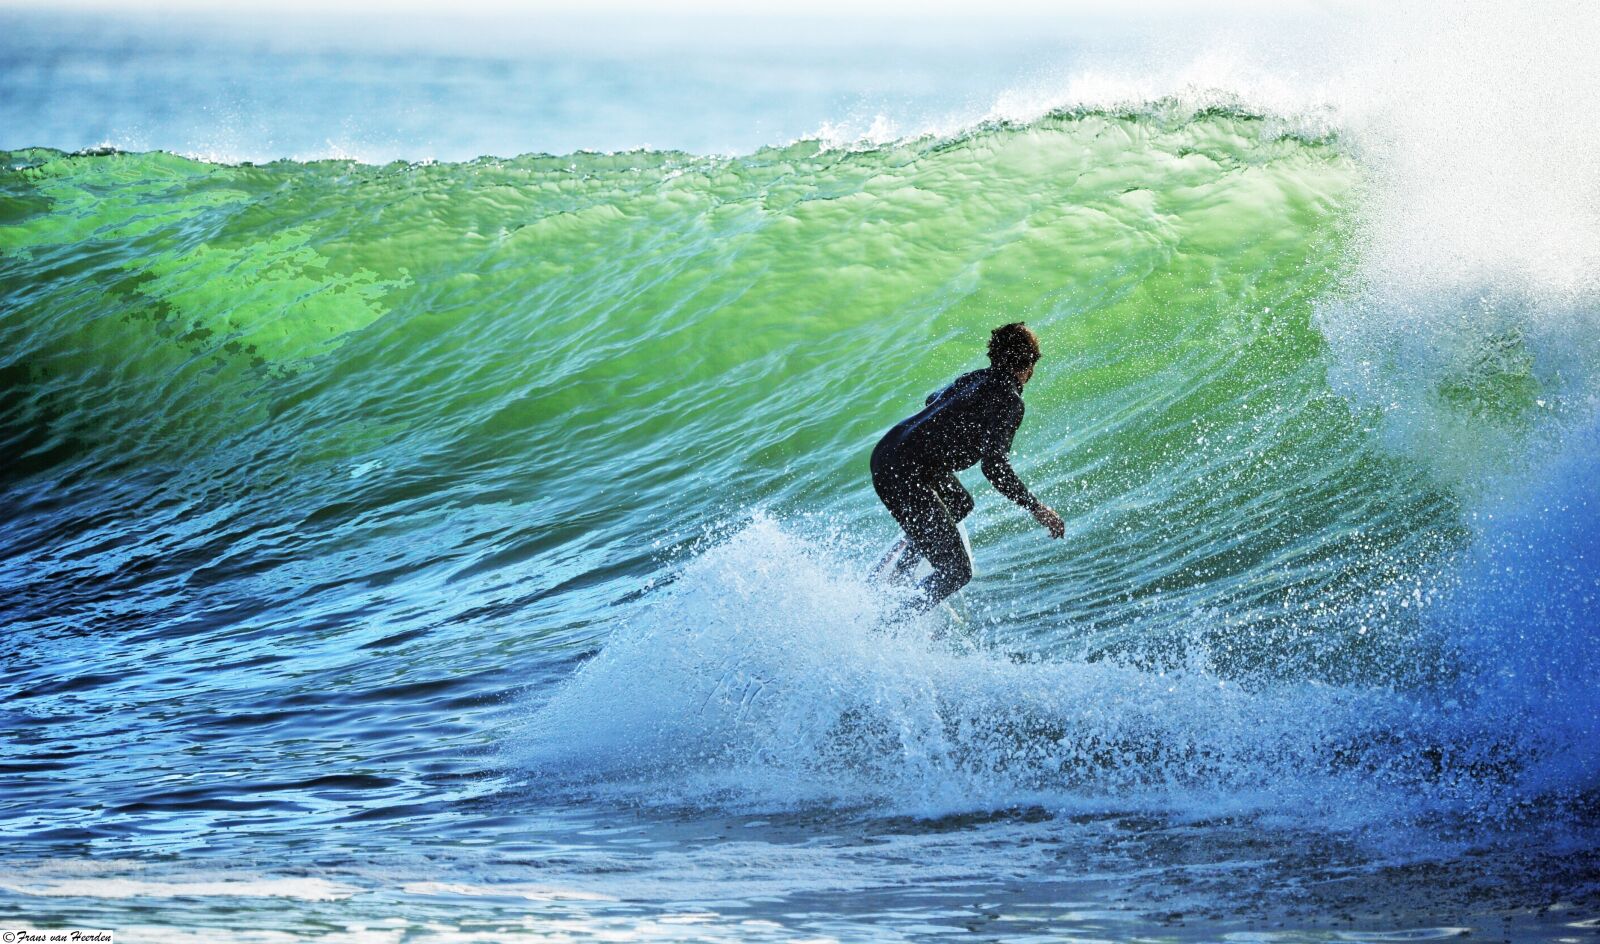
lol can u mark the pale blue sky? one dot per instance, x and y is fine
(912, 8)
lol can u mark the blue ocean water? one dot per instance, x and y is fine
(257, 86)
(435, 500)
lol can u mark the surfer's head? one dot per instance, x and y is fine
(1014, 348)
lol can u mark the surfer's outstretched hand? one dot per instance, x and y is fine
(1052, 521)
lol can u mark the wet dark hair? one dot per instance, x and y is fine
(1013, 347)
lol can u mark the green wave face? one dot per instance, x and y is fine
(568, 363)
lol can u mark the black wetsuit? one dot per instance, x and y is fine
(914, 466)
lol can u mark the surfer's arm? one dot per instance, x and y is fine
(998, 470)
(996, 450)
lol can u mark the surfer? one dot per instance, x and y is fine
(914, 464)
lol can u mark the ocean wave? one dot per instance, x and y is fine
(383, 408)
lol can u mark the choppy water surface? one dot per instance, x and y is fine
(458, 551)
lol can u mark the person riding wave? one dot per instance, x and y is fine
(913, 466)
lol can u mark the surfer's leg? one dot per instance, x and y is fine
(935, 507)
(957, 500)
(897, 564)
(920, 506)
(934, 534)
(898, 491)
(907, 562)
(940, 542)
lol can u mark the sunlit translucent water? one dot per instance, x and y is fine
(453, 551)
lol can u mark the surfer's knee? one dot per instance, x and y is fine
(957, 572)
(961, 505)
(947, 578)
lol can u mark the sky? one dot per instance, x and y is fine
(898, 8)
